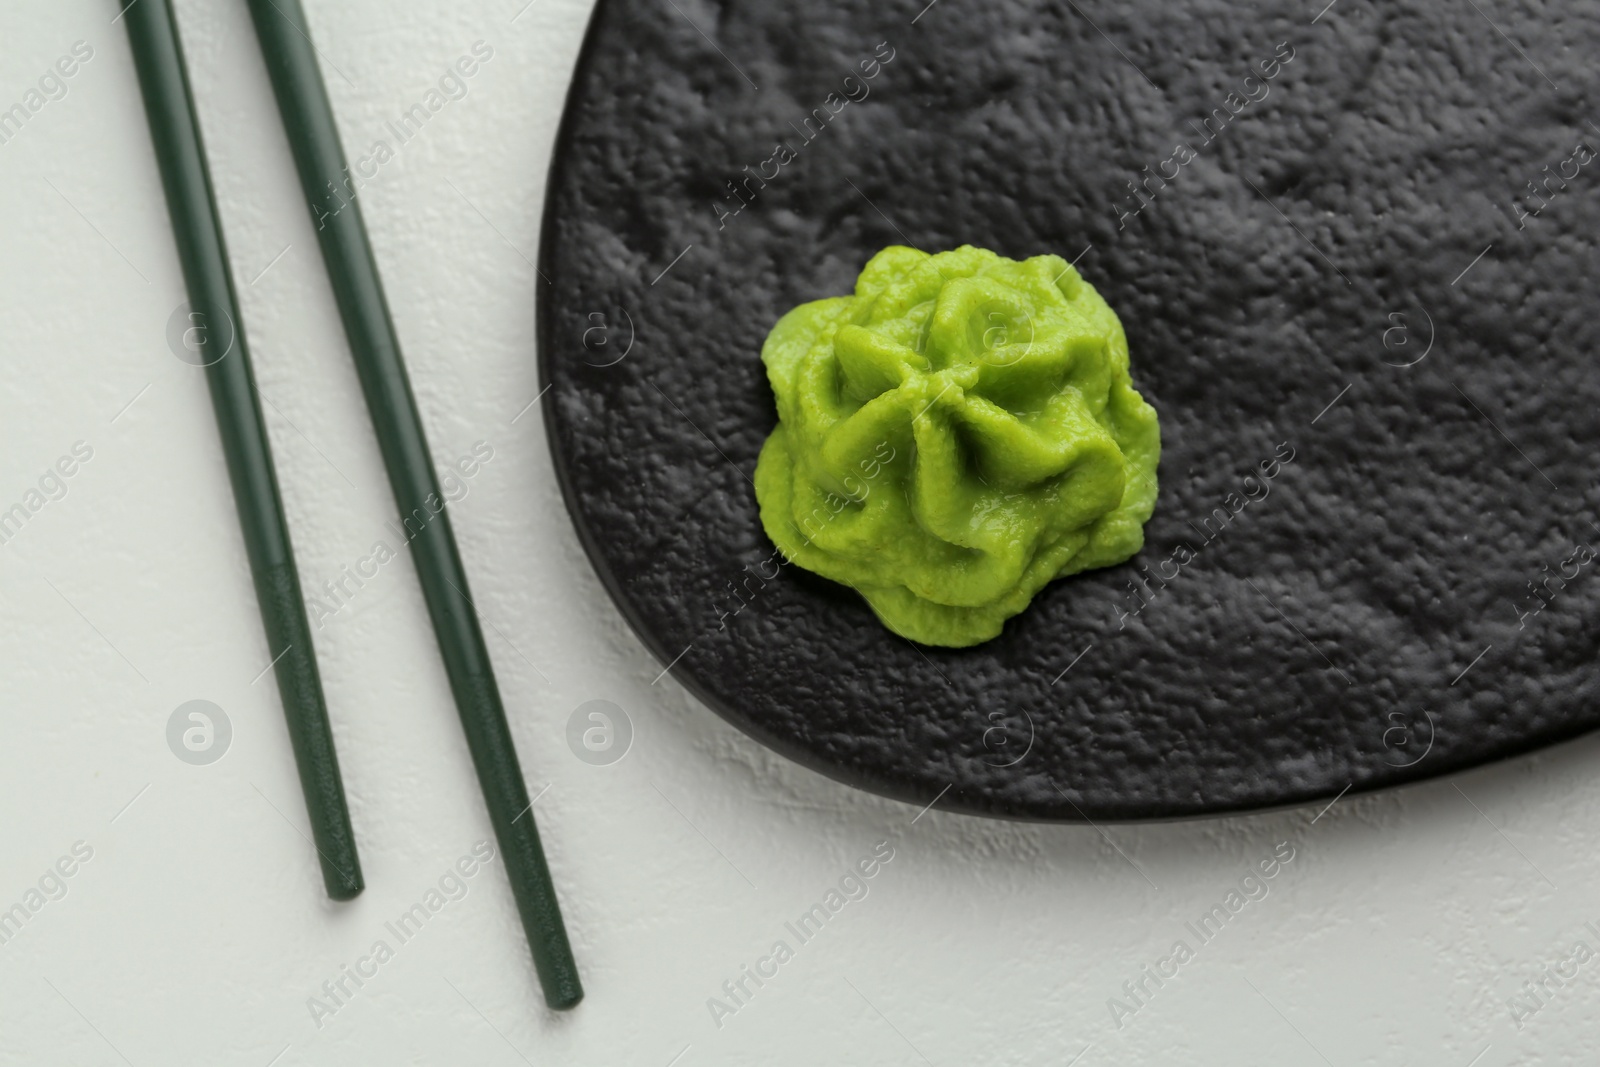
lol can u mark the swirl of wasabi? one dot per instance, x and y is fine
(955, 435)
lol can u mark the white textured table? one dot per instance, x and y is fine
(192, 928)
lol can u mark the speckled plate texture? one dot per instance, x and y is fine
(1354, 248)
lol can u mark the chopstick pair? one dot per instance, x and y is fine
(319, 157)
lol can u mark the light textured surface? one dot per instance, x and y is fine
(196, 932)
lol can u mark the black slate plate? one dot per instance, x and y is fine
(1365, 620)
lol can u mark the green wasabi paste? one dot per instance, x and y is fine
(958, 433)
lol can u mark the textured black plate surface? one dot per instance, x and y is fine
(1346, 261)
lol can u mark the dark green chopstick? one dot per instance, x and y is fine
(158, 55)
(331, 195)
